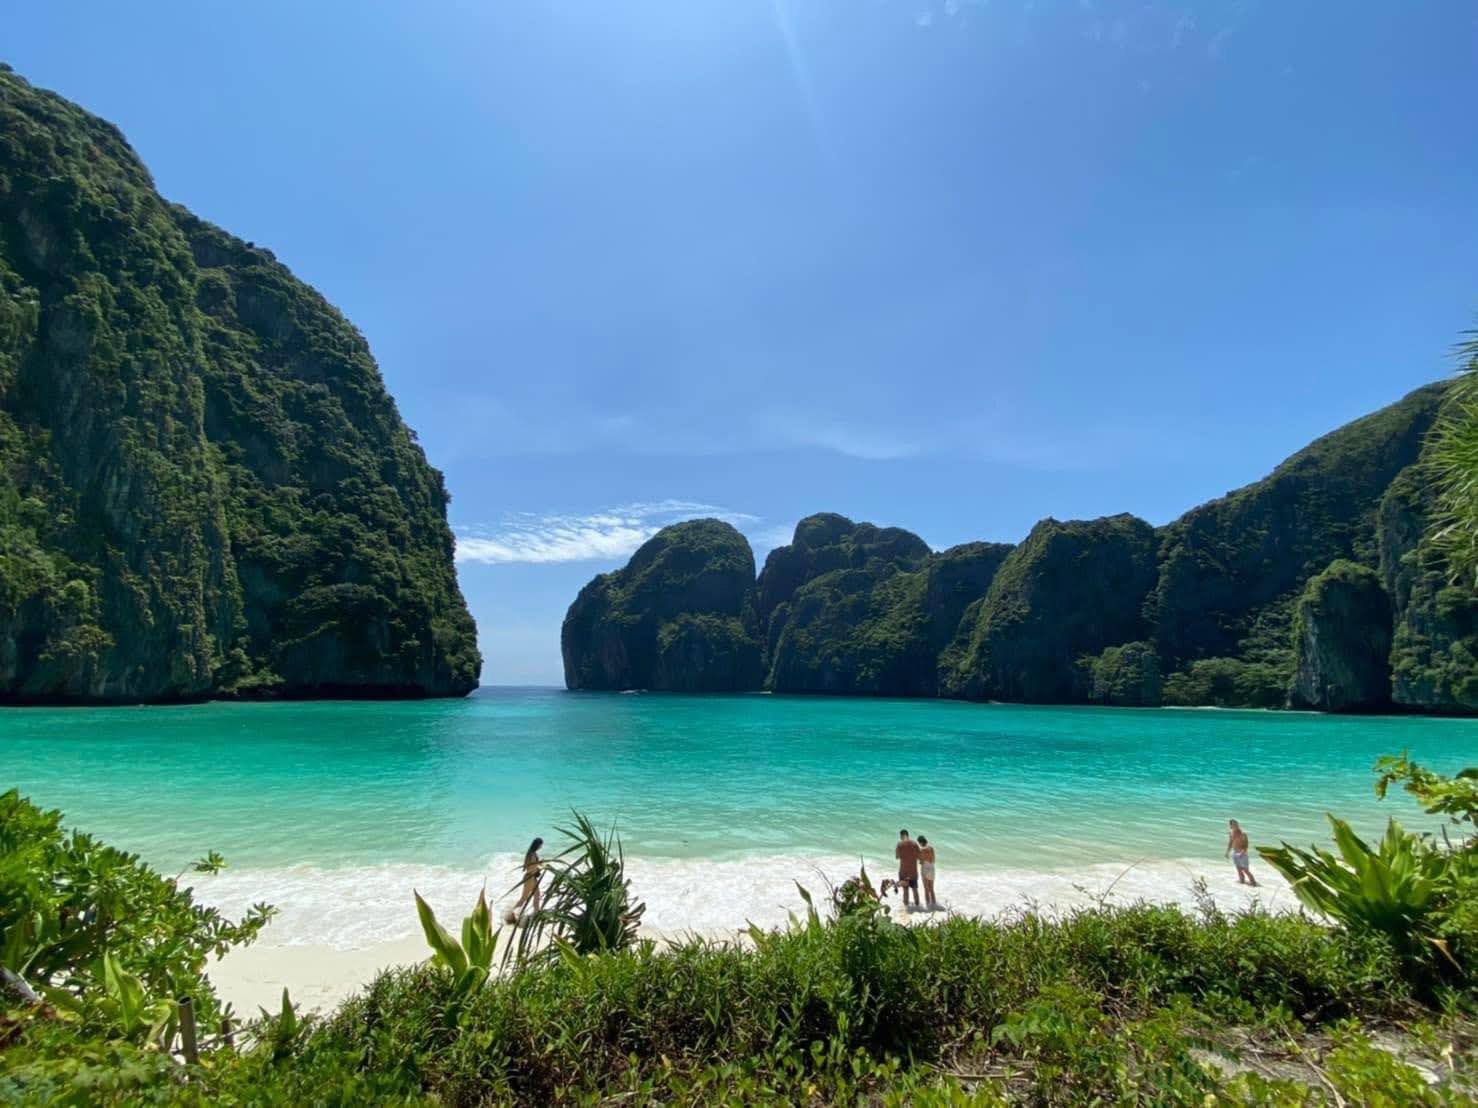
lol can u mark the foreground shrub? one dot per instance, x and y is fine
(102, 936)
(1420, 894)
(845, 997)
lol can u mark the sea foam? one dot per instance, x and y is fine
(355, 907)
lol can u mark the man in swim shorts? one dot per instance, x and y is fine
(1237, 847)
(907, 853)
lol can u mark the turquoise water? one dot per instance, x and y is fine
(703, 788)
(336, 811)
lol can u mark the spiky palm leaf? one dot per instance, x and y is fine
(587, 905)
(1452, 460)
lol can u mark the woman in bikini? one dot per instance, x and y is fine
(530, 893)
(926, 871)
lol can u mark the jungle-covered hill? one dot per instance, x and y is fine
(1316, 586)
(205, 489)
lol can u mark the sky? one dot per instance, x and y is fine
(947, 265)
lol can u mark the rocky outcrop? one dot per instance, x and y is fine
(1201, 612)
(678, 617)
(877, 626)
(1342, 636)
(1070, 589)
(204, 488)
(825, 543)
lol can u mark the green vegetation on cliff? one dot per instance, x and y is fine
(204, 487)
(678, 617)
(1226, 563)
(1070, 589)
(1215, 608)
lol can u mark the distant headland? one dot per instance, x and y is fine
(1315, 587)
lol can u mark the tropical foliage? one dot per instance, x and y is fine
(587, 906)
(1420, 893)
(1453, 462)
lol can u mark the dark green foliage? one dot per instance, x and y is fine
(877, 626)
(858, 631)
(1127, 676)
(1434, 653)
(204, 488)
(1103, 1003)
(827, 542)
(1452, 463)
(1221, 564)
(823, 998)
(1070, 589)
(684, 600)
(1342, 636)
(857, 609)
(707, 653)
(1417, 892)
(1227, 683)
(78, 920)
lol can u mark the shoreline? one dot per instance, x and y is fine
(337, 929)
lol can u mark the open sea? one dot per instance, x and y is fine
(334, 810)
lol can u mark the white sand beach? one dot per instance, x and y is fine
(336, 929)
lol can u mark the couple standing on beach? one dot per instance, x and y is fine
(915, 859)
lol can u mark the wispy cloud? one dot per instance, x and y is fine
(606, 535)
(795, 430)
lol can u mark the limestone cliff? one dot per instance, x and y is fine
(1070, 589)
(205, 489)
(1342, 641)
(678, 617)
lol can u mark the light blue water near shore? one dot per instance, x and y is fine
(345, 788)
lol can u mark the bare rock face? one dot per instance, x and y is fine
(1342, 632)
(204, 488)
(678, 617)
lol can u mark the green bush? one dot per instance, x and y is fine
(100, 934)
(1227, 683)
(1420, 894)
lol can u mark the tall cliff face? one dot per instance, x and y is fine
(1069, 590)
(204, 487)
(1342, 640)
(1229, 564)
(679, 617)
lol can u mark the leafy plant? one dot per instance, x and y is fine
(1455, 797)
(1452, 460)
(1391, 890)
(96, 930)
(587, 905)
(470, 960)
(1421, 894)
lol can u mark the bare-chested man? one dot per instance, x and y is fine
(1237, 847)
(907, 853)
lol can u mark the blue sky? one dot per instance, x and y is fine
(943, 264)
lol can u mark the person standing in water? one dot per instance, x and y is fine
(926, 871)
(1237, 847)
(530, 894)
(907, 853)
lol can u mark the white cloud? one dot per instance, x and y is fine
(606, 535)
(791, 429)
